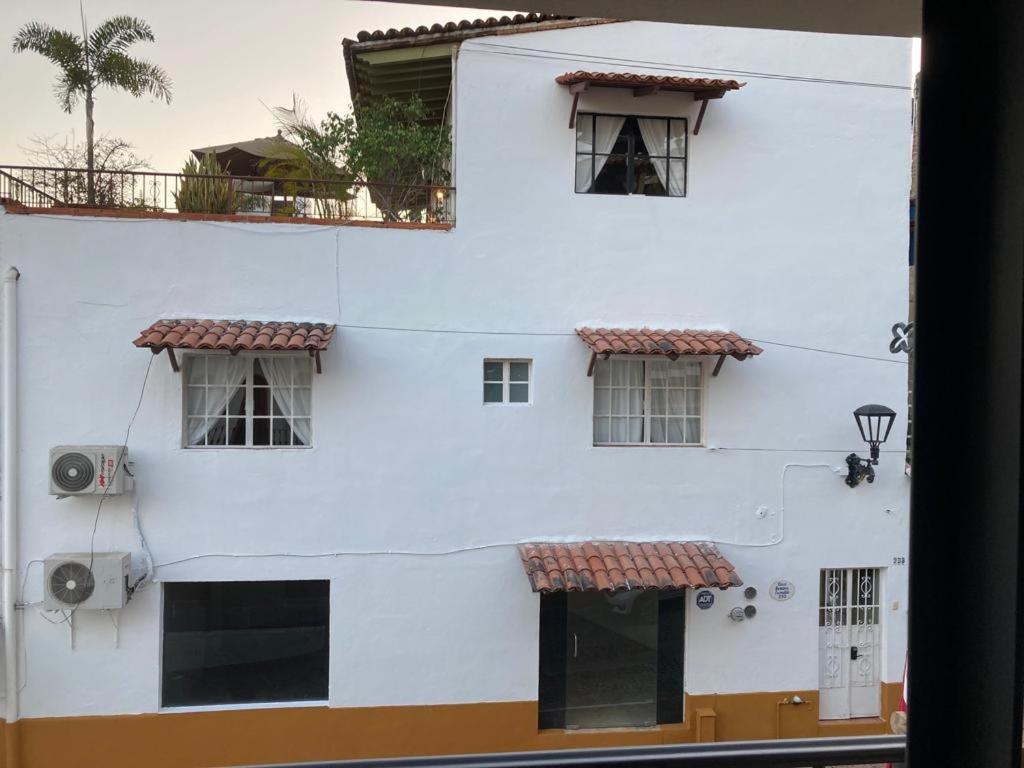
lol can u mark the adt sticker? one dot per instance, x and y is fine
(705, 599)
(782, 590)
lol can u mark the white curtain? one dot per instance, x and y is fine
(225, 375)
(607, 130)
(655, 133)
(294, 402)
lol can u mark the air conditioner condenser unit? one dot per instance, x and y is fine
(90, 470)
(94, 581)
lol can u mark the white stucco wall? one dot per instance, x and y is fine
(794, 231)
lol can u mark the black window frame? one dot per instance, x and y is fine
(205, 685)
(631, 154)
(554, 653)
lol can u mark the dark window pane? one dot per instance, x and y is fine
(519, 393)
(236, 405)
(493, 370)
(281, 433)
(216, 431)
(492, 393)
(236, 431)
(257, 374)
(260, 401)
(611, 661)
(670, 657)
(612, 669)
(243, 642)
(551, 692)
(647, 176)
(261, 431)
(612, 178)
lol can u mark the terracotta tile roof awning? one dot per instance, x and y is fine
(645, 341)
(661, 82)
(526, 21)
(702, 88)
(236, 335)
(612, 566)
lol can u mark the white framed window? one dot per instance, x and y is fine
(507, 382)
(648, 401)
(247, 401)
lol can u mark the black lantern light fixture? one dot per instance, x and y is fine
(874, 423)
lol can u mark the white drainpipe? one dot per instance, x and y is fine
(9, 501)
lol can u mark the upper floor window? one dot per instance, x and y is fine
(626, 155)
(647, 401)
(241, 400)
(506, 381)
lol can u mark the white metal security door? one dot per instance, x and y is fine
(849, 642)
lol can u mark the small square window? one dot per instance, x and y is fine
(507, 381)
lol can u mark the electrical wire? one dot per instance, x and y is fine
(832, 352)
(556, 55)
(117, 468)
(475, 332)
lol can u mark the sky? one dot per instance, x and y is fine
(229, 60)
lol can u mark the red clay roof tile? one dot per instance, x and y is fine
(519, 20)
(664, 82)
(236, 335)
(610, 566)
(647, 341)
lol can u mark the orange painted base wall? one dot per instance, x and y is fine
(240, 737)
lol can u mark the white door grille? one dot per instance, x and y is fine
(849, 615)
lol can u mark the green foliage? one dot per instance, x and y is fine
(392, 145)
(311, 162)
(205, 188)
(96, 59)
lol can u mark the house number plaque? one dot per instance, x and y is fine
(781, 590)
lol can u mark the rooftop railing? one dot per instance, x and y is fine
(337, 199)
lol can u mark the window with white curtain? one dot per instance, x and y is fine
(631, 155)
(648, 401)
(245, 401)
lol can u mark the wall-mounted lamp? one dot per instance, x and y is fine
(874, 423)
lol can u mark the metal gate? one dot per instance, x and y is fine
(849, 643)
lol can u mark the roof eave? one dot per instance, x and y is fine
(350, 47)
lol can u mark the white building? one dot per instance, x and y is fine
(359, 591)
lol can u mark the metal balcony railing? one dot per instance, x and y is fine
(336, 199)
(793, 753)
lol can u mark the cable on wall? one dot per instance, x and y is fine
(556, 55)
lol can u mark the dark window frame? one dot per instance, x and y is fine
(631, 154)
(191, 608)
(554, 653)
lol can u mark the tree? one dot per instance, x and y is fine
(97, 58)
(391, 146)
(312, 162)
(403, 156)
(113, 157)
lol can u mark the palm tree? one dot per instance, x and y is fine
(95, 59)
